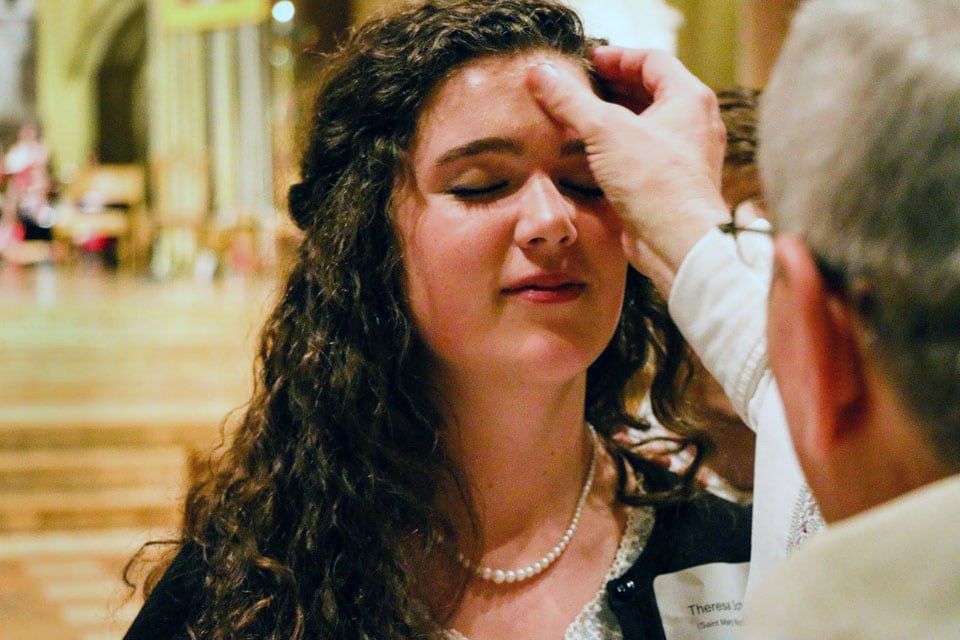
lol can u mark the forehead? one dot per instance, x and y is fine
(498, 69)
(487, 92)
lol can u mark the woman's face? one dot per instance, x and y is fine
(513, 258)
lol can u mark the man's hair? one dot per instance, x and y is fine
(860, 155)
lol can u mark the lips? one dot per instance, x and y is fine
(546, 288)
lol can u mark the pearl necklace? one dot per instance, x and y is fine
(500, 576)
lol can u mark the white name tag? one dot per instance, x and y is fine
(702, 603)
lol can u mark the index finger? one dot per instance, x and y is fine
(654, 71)
(623, 85)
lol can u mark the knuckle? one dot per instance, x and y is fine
(707, 99)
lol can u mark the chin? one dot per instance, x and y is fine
(555, 361)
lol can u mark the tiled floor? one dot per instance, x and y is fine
(109, 373)
(67, 585)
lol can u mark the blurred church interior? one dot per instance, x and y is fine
(132, 286)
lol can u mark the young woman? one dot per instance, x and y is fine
(429, 452)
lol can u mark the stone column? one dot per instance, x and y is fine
(224, 107)
(179, 163)
(254, 134)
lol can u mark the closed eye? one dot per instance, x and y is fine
(470, 194)
(577, 190)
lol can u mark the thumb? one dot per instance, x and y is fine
(565, 99)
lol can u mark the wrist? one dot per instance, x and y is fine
(663, 242)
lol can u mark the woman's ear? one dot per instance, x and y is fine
(815, 353)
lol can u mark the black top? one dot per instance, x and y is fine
(702, 531)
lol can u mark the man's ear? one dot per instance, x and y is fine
(814, 351)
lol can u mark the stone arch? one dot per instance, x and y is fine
(98, 32)
(121, 102)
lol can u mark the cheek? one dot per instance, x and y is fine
(610, 265)
(775, 334)
(605, 233)
(779, 331)
(608, 239)
(447, 266)
(783, 364)
(431, 274)
(609, 221)
(431, 295)
(444, 253)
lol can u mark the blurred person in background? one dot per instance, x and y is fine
(26, 164)
(27, 219)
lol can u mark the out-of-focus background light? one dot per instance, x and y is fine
(280, 56)
(283, 11)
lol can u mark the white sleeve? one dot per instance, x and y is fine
(720, 306)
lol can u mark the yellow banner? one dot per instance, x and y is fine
(200, 15)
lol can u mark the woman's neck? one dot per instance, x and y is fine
(523, 451)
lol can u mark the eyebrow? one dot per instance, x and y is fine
(502, 145)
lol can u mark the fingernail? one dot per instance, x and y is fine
(548, 68)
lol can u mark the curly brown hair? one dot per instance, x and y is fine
(319, 517)
(738, 108)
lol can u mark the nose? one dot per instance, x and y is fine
(546, 217)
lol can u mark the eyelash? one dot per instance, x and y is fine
(590, 193)
(476, 193)
(479, 193)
